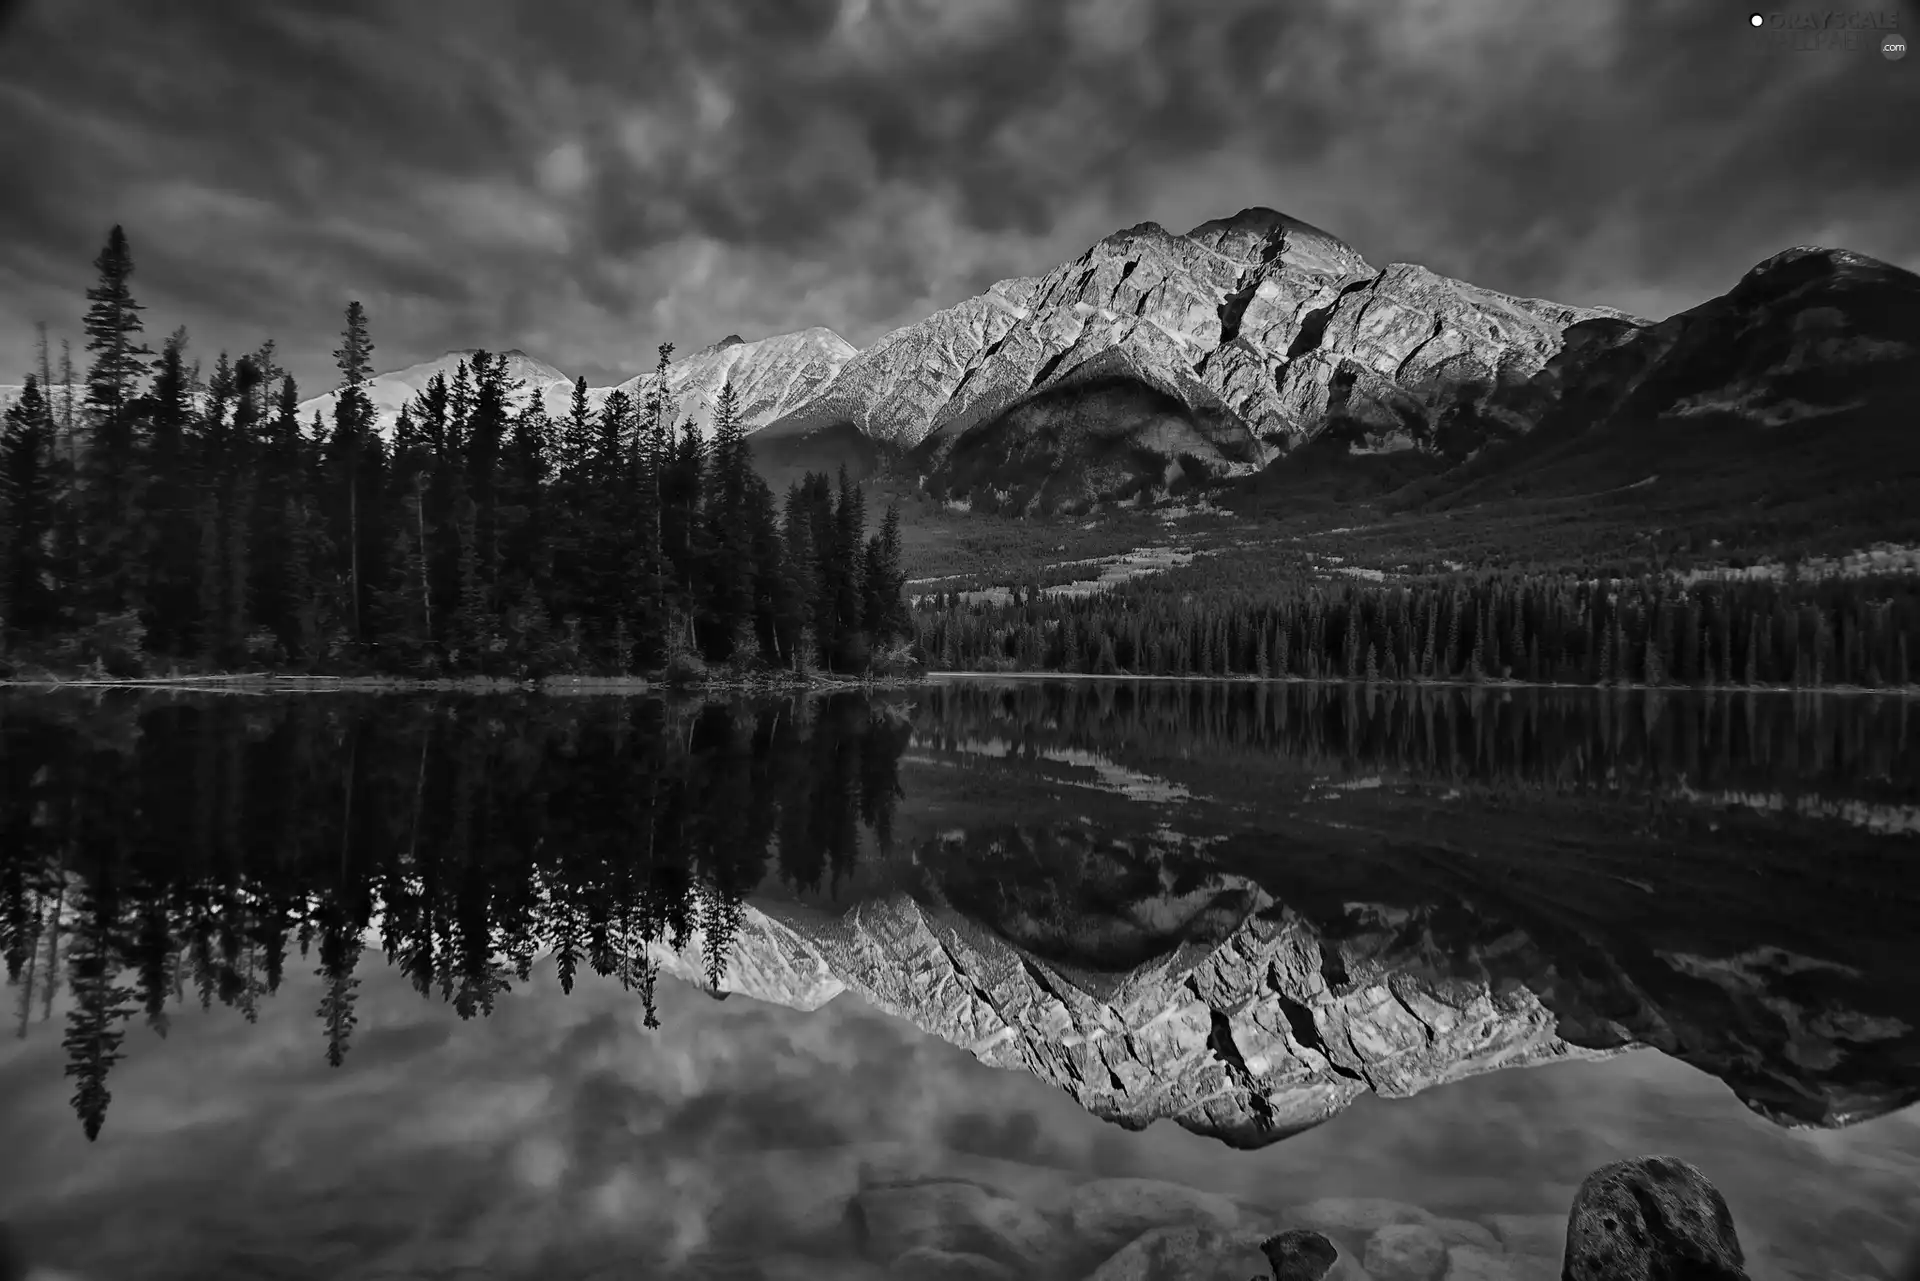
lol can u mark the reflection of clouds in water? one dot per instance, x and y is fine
(559, 1138)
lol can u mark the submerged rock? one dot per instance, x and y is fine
(951, 1216)
(1405, 1252)
(1112, 1212)
(925, 1263)
(1540, 1235)
(1468, 1233)
(1477, 1263)
(1185, 1254)
(1358, 1216)
(1652, 1217)
(1300, 1254)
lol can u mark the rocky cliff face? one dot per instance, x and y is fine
(772, 376)
(1244, 336)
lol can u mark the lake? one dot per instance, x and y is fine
(1012, 976)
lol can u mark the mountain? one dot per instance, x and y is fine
(390, 391)
(1788, 399)
(772, 376)
(893, 388)
(1808, 334)
(1151, 977)
(1155, 358)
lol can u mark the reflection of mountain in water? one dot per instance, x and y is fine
(1236, 907)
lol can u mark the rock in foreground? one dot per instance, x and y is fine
(1651, 1217)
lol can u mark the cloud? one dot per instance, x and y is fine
(558, 1137)
(608, 176)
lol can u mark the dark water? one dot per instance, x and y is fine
(397, 986)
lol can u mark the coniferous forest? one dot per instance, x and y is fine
(159, 516)
(1557, 629)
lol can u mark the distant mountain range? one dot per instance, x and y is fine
(773, 376)
(1156, 359)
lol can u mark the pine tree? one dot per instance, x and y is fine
(111, 557)
(171, 591)
(800, 579)
(654, 452)
(27, 600)
(113, 326)
(353, 421)
(730, 531)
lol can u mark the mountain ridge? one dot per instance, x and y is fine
(1155, 361)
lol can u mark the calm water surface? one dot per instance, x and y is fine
(423, 986)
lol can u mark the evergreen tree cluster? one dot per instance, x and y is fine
(1273, 741)
(198, 520)
(189, 851)
(1557, 629)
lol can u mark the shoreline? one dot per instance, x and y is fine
(285, 683)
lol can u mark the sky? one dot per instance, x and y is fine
(585, 179)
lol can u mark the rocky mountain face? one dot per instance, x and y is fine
(1155, 357)
(1155, 361)
(890, 391)
(772, 376)
(1791, 393)
(1148, 981)
(1806, 334)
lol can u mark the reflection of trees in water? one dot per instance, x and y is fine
(1862, 747)
(150, 846)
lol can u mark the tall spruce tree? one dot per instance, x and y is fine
(352, 424)
(111, 522)
(27, 600)
(730, 532)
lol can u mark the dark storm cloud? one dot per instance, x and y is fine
(585, 178)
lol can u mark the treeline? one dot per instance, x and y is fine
(155, 853)
(162, 514)
(1281, 739)
(1544, 628)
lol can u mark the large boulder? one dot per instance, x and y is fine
(1301, 1254)
(1648, 1217)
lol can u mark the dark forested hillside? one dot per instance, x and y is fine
(162, 516)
